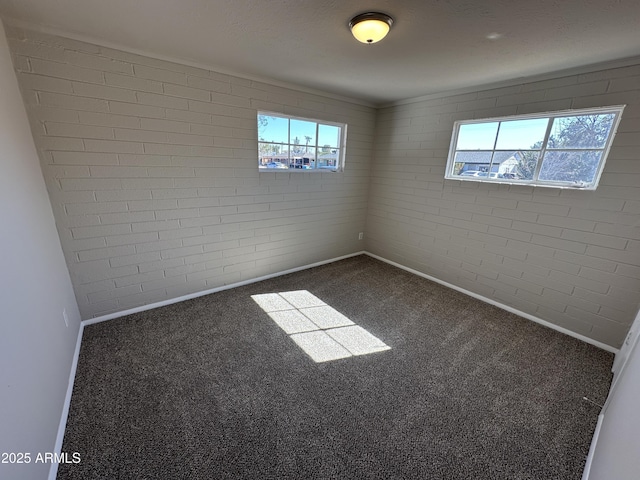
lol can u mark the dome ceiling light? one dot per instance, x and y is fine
(370, 27)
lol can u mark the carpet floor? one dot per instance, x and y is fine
(225, 386)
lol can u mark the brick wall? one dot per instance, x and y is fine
(568, 257)
(151, 168)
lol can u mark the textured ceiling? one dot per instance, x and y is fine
(434, 45)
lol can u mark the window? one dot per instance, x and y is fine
(299, 144)
(561, 149)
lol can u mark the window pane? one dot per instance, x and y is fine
(328, 157)
(522, 134)
(508, 164)
(273, 129)
(310, 155)
(329, 160)
(583, 131)
(470, 163)
(477, 136)
(269, 153)
(526, 165)
(328, 136)
(572, 166)
(304, 160)
(337, 160)
(304, 133)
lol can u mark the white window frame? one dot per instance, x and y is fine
(535, 181)
(342, 145)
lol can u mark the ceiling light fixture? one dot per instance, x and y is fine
(370, 27)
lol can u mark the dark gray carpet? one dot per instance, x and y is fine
(212, 388)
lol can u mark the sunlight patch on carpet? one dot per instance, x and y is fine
(318, 329)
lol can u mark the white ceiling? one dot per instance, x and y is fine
(434, 45)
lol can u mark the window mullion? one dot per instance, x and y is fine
(495, 144)
(543, 149)
(493, 151)
(317, 142)
(289, 142)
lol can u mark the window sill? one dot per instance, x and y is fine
(528, 183)
(298, 170)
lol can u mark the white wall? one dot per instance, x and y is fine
(152, 171)
(568, 257)
(36, 347)
(616, 454)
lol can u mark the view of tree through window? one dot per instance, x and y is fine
(565, 149)
(286, 143)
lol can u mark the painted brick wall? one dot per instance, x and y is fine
(568, 257)
(151, 168)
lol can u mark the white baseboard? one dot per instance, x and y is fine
(53, 470)
(520, 313)
(587, 468)
(533, 318)
(151, 306)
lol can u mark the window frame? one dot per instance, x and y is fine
(342, 145)
(617, 110)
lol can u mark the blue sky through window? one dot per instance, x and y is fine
(512, 135)
(276, 130)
